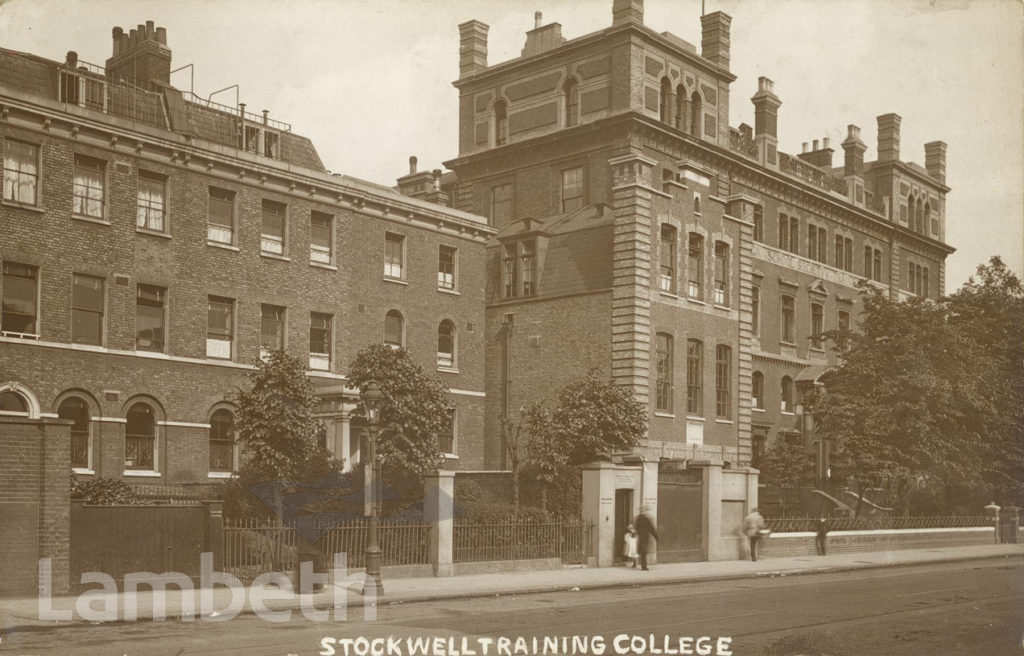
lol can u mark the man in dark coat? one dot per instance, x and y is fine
(821, 534)
(646, 530)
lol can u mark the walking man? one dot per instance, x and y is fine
(645, 531)
(753, 524)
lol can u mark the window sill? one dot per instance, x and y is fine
(90, 219)
(785, 343)
(221, 475)
(397, 281)
(718, 306)
(275, 256)
(448, 291)
(152, 353)
(818, 350)
(85, 471)
(216, 359)
(695, 300)
(724, 421)
(219, 244)
(321, 265)
(666, 415)
(757, 410)
(448, 370)
(787, 413)
(152, 233)
(694, 418)
(662, 292)
(449, 456)
(142, 473)
(22, 206)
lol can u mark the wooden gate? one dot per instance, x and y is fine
(680, 505)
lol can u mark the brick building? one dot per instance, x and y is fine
(641, 234)
(152, 243)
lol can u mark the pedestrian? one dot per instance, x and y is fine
(819, 540)
(645, 530)
(753, 525)
(629, 546)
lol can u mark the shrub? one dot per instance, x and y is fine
(103, 491)
(479, 512)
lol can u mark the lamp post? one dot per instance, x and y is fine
(371, 397)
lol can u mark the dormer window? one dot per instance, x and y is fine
(262, 140)
(519, 269)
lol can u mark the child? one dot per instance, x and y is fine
(629, 545)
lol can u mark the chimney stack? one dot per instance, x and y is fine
(889, 138)
(714, 39)
(853, 147)
(766, 108)
(818, 155)
(472, 48)
(538, 19)
(412, 164)
(141, 55)
(935, 160)
(627, 11)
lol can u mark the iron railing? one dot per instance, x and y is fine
(568, 541)
(803, 524)
(252, 547)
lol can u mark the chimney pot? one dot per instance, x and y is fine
(142, 32)
(538, 19)
(815, 144)
(265, 112)
(133, 38)
(805, 147)
(437, 179)
(161, 35)
(824, 142)
(412, 164)
(72, 59)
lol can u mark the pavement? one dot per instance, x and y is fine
(25, 613)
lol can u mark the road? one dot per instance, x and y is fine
(969, 607)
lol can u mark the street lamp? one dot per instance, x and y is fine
(372, 397)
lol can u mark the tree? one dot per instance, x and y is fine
(928, 392)
(787, 466)
(415, 409)
(593, 418)
(274, 423)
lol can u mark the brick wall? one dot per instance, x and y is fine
(34, 502)
(802, 544)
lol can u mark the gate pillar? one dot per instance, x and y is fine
(601, 480)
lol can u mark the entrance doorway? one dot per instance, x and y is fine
(623, 517)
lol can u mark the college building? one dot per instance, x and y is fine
(601, 213)
(642, 235)
(154, 244)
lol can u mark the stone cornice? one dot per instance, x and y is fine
(147, 143)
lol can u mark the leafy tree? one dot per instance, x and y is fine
(416, 407)
(592, 419)
(786, 465)
(274, 423)
(929, 393)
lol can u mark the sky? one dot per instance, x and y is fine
(369, 81)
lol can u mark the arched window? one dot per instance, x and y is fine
(446, 344)
(571, 90)
(695, 378)
(11, 401)
(500, 123)
(757, 390)
(222, 441)
(665, 110)
(910, 211)
(140, 451)
(928, 225)
(680, 108)
(77, 411)
(394, 327)
(786, 390)
(695, 114)
(667, 259)
(723, 381)
(696, 203)
(695, 266)
(664, 373)
(721, 273)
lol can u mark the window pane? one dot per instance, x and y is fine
(151, 201)
(19, 298)
(272, 324)
(21, 173)
(140, 434)
(87, 187)
(663, 364)
(694, 377)
(446, 267)
(222, 441)
(446, 344)
(501, 204)
(393, 328)
(77, 411)
(723, 389)
(219, 328)
(393, 256)
(149, 318)
(510, 271)
(695, 266)
(12, 402)
(221, 220)
(87, 310)
(572, 189)
(320, 340)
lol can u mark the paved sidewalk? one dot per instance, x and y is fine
(24, 613)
